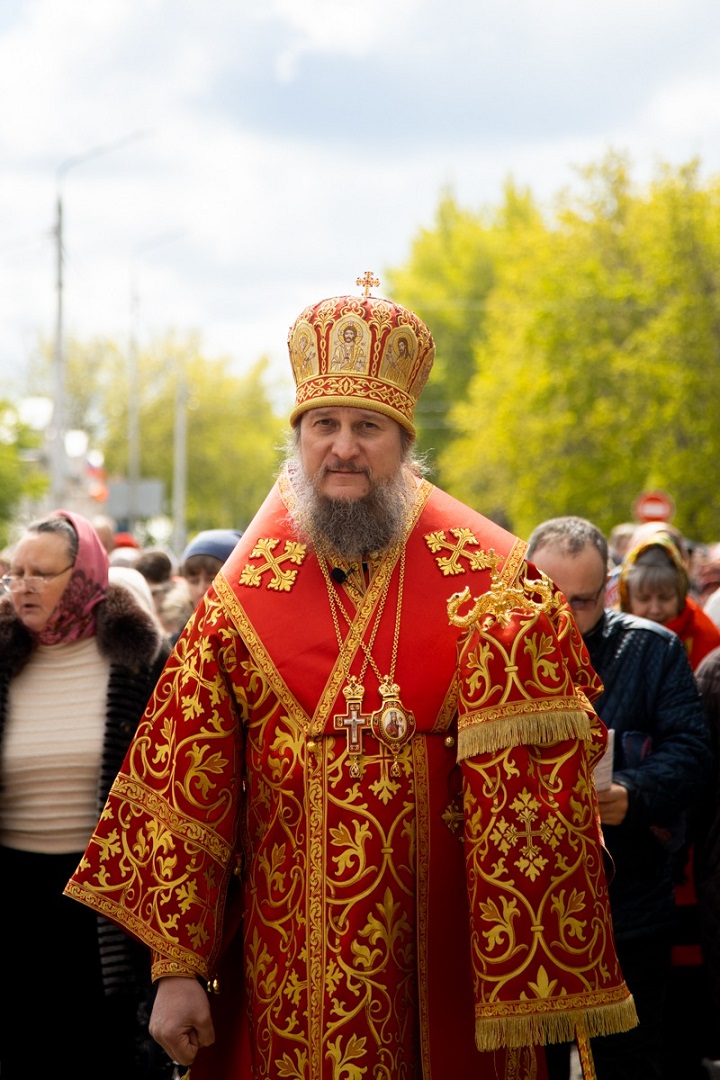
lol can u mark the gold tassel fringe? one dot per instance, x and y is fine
(491, 1033)
(519, 725)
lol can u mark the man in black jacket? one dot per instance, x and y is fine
(661, 764)
(707, 854)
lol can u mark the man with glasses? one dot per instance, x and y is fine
(660, 765)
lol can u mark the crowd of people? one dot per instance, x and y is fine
(369, 788)
(656, 805)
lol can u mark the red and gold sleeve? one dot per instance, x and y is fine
(543, 954)
(164, 849)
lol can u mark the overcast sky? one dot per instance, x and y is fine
(226, 162)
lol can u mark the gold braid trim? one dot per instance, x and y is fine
(587, 1063)
(494, 1032)
(521, 723)
(176, 959)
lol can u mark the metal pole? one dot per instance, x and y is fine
(58, 464)
(180, 462)
(58, 456)
(133, 416)
(134, 395)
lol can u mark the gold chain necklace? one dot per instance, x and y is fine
(392, 723)
(336, 604)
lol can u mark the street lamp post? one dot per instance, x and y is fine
(58, 464)
(179, 534)
(134, 381)
(58, 456)
(133, 431)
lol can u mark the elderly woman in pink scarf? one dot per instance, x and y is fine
(78, 660)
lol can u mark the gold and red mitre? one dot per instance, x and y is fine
(362, 351)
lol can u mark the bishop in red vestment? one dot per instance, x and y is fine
(357, 826)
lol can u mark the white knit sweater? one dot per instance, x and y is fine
(52, 749)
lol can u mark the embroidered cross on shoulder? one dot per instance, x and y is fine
(454, 552)
(282, 580)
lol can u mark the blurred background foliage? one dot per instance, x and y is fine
(578, 352)
(578, 364)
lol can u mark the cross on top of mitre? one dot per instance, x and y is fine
(368, 281)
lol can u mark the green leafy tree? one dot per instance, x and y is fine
(446, 281)
(232, 434)
(21, 476)
(233, 437)
(598, 373)
(92, 369)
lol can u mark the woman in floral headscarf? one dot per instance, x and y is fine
(78, 660)
(654, 584)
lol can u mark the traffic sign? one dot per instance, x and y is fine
(654, 506)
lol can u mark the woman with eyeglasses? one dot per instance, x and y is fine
(79, 658)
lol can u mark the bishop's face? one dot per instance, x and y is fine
(351, 485)
(343, 450)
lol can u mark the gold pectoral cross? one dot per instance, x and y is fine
(353, 721)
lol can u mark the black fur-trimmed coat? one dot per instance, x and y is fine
(136, 647)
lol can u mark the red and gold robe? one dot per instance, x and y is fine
(366, 909)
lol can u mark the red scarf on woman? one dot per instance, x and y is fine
(74, 616)
(697, 630)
